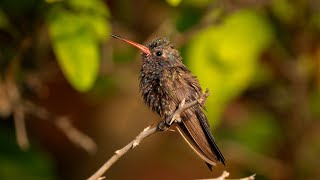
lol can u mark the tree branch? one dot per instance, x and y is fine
(63, 123)
(76, 136)
(12, 102)
(162, 126)
(20, 126)
(119, 153)
(226, 174)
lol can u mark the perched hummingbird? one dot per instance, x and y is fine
(164, 83)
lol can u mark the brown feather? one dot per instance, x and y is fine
(187, 136)
(164, 83)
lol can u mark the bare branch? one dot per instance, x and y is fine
(20, 126)
(162, 126)
(119, 153)
(64, 124)
(226, 174)
(75, 136)
(11, 102)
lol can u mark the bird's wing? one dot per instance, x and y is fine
(193, 139)
(192, 132)
(195, 124)
(194, 127)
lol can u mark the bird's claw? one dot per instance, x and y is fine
(183, 102)
(176, 117)
(162, 126)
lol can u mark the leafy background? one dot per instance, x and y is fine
(260, 60)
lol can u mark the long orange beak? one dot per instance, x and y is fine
(137, 45)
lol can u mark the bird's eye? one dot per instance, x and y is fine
(158, 53)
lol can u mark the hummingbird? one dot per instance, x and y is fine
(164, 83)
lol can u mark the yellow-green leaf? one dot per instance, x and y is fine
(174, 2)
(224, 57)
(76, 47)
(76, 33)
(92, 6)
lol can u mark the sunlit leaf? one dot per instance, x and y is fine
(174, 2)
(96, 14)
(99, 26)
(224, 57)
(76, 37)
(76, 48)
(92, 6)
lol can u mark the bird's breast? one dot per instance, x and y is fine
(156, 91)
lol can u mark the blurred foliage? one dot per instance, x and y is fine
(76, 34)
(224, 56)
(16, 164)
(187, 18)
(284, 10)
(174, 2)
(258, 127)
(3, 20)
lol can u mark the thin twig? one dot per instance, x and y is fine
(20, 126)
(63, 123)
(76, 136)
(119, 153)
(16, 107)
(19, 106)
(13, 103)
(162, 126)
(226, 174)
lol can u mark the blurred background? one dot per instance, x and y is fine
(69, 93)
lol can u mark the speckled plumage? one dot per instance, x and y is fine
(164, 82)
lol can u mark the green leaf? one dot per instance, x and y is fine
(92, 6)
(3, 20)
(76, 37)
(174, 2)
(95, 15)
(98, 25)
(224, 57)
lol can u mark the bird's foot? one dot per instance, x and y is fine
(175, 117)
(162, 126)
